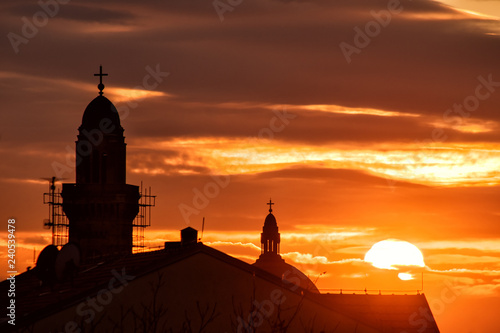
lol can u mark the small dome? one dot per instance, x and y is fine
(270, 222)
(99, 109)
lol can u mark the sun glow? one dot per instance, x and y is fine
(391, 253)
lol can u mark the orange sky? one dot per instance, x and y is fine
(396, 140)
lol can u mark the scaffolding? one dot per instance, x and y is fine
(57, 220)
(143, 219)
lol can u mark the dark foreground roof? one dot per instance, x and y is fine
(385, 313)
(34, 301)
(389, 313)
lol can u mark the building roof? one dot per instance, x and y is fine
(387, 314)
(34, 301)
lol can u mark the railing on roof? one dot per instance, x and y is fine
(372, 291)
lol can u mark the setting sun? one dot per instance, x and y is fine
(391, 253)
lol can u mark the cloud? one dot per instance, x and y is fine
(485, 245)
(444, 165)
(29, 240)
(482, 290)
(305, 258)
(236, 244)
(74, 11)
(453, 259)
(486, 272)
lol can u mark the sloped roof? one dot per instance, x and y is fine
(389, 313)
(34, 301)
(384, 313)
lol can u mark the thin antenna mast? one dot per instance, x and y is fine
(143, 218)
(202, 228)
(57, 221)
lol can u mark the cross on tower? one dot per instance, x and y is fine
(100, 86)
(270, 203)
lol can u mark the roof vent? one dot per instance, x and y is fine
(189, 236)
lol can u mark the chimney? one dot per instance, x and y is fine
(189, 236)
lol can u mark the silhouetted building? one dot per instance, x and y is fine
(100, 206)
(183, 288)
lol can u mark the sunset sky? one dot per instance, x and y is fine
(363, 120)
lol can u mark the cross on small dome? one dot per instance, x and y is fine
(270, 203)
(100, 86)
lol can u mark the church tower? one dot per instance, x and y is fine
(100, 206)
(270, 237)
(270, 259)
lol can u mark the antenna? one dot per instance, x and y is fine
(142, 219)
(317, 278)
(57, 220)
(202, 228)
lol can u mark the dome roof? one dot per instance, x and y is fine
(99, 109)
(270, 223)
(288, 273)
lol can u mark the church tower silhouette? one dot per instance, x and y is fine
(270, 237)
(270, 259)
(100, 206)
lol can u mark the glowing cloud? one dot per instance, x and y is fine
(405, 276)
(348, 110)
(444, 165)
(123, 94)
